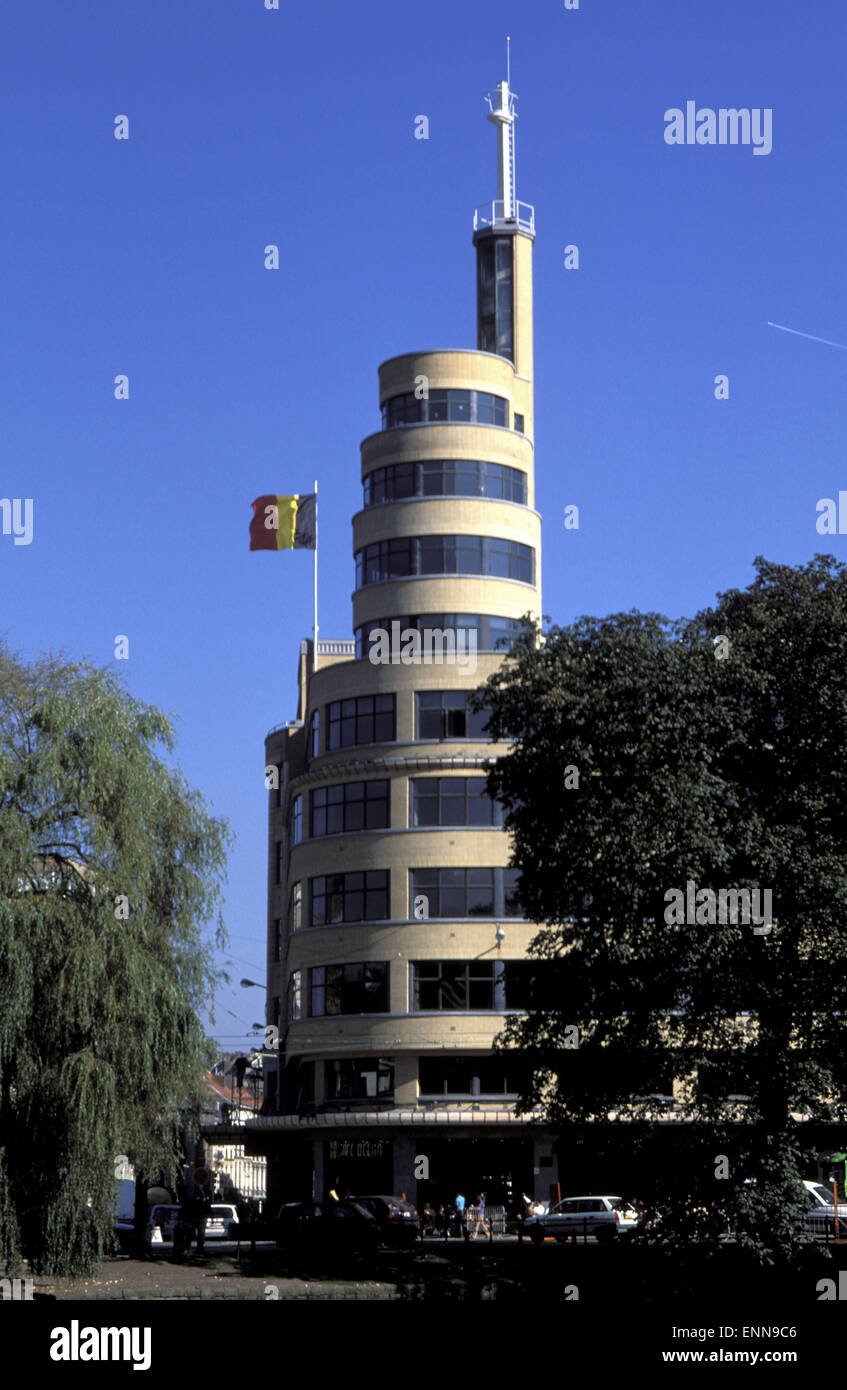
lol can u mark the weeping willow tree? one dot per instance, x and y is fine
(110, 867)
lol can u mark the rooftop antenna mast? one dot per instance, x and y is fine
(502, 113)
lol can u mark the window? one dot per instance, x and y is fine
(494, 296)
(519, 423)
(359, 1078)
(295, 999)
(277, 938)
(463, 893)
(296, 906)
(455, 892)
(445, 478)
(391, 559)
(449, 555)
(490, 410)
(414, 555)
(441, 714)
(350, 806)
(348, 989)
(299, 1085)
(469, 1076)
(502, 633)
(510, 560)
(280, 861)
(453, 801)
(490, 633)
(355, 897)
(280, 784)
(511, 905)
(458, 406)
(402, 410)
(460, 478)
(503, 483)
(366, 719)
(469, 984)
(439, 985)
(296, 828)
(314, 735)
(390, 484)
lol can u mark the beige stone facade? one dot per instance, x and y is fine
(407, 1097)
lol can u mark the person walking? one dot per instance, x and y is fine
(459, 1204)
(201, 1209)
(478, 1215)
(451, 1221)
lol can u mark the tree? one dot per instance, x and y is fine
(109, 867)
(710, 756)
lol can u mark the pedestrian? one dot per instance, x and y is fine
(450, 1221)
(460, 1210)
(202, 1208)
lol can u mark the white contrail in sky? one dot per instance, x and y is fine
(814, 339)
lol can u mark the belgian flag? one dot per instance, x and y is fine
(284, 523)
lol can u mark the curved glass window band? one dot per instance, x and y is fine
(445, 478)
(444, 406)
(406, 556)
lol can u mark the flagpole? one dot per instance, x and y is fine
(315, 627)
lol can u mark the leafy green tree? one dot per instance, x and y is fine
(646, 756)
(109, 867)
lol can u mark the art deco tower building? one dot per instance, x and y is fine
(395, 945)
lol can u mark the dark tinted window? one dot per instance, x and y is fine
(453, 801)
(365, 719)
(360, 988)
(353, 897)
(350, 806)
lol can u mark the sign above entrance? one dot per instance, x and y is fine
(358, 1148)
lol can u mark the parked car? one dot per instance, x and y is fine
(124, 1226)
(397, 1219)
(607, 1218)
(327, 1225)
(163, 1217)
(821, 1213)
(222, 1223)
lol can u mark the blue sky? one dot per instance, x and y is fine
(296, 127)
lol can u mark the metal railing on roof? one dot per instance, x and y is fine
(345, 646)
(493, 214)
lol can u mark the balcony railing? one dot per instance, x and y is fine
(343, 647)
(493, 214)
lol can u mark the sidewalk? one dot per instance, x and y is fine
(161, 1279)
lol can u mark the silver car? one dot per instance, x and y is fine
(606, 1218)
(820, 1217)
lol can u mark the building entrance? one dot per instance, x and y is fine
(362, 1167)
(501, 1168)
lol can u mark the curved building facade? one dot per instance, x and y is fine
(396, 948)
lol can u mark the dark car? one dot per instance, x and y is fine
(397, 1219)
(327, 1225)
